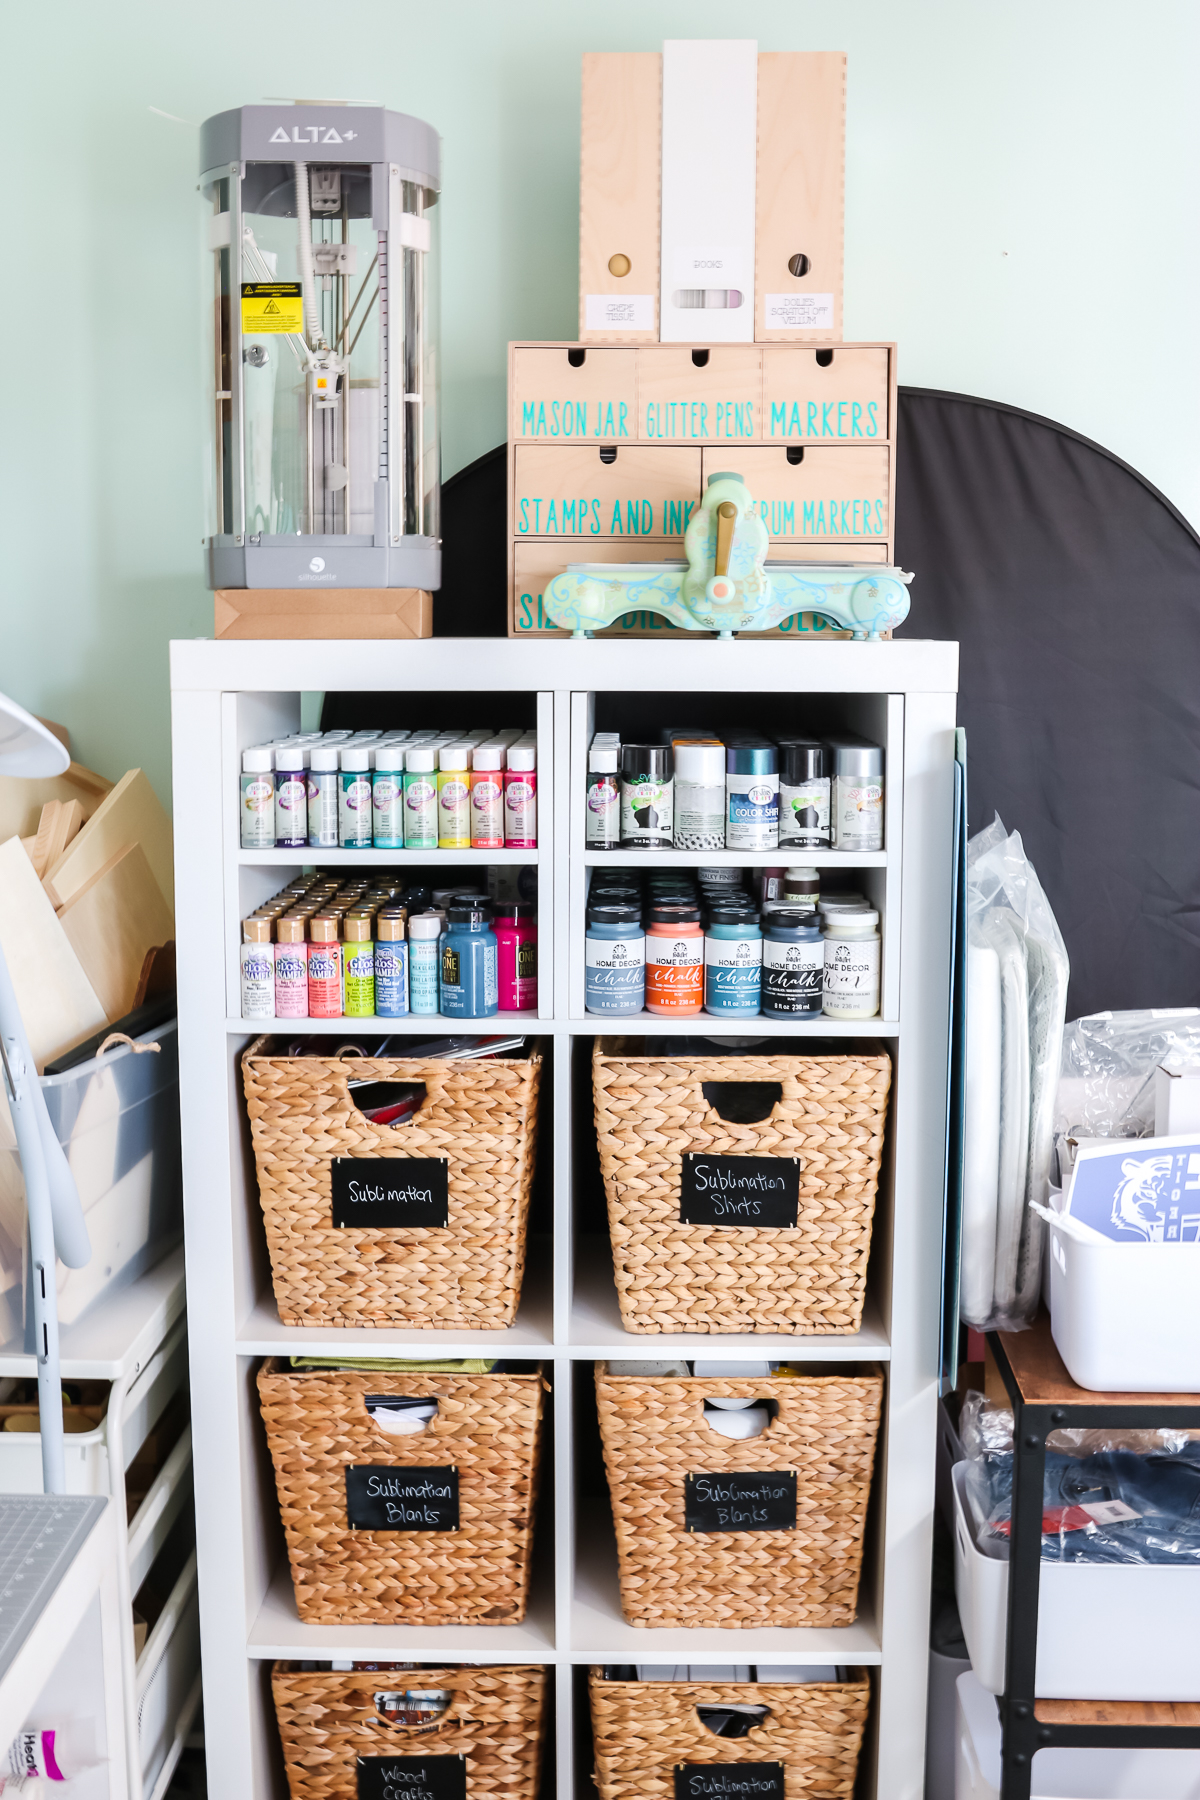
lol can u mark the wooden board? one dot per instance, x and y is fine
(645, 491)
(113, 921)
(1043, 1379)
(22, 798)
(332, 613)
(718, 400)
(800, 194)
(59, 1005)
(57, 827)
(1118, 1712)
(131, 814)
(620, 155)
(553, 400)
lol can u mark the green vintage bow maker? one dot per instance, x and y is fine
(726, 586)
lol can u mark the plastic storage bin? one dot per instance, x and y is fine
(1105, 1631)
(1058, 1774)
(1124, 1316)
(643, 1730)
(486, 1430)
(328, 1721)
(478, 1116)
(827, 1112)
(655, 1436)
(117, 1118)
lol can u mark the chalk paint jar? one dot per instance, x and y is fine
(856, 803)
(647, 796)
(733, 964)
(424, 930)
(614, 959)
(752, 796)
(454, 797)
(793, 962)
(391, 967)
(487, 798)
(674, 961)
(354, 798)
(520, 797)
(851, 965)
(804, 794)
(257, 799)
(387, 798)
(517, 944)
(358, 966)
(469, 957)
(324, 968)
(420, 799)
(258, 970)
(291, 969)
(322, 787)
(699, 797)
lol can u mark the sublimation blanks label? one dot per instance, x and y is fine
(739, 1190)
(417, 1778)
(388, 1499)
(750, 1500)
(391, 1191)
(728, 1781)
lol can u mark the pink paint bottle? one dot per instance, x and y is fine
(520, 798)
(291, 969)
(517, 937)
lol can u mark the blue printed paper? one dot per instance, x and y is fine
(1141, 1191)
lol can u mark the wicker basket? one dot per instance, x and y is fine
(651, 1111)
(644, 1729)
(328, 1720)
(654, 1434)
(481, 1115)
(487, 1426)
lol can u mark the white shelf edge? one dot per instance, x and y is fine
(417, 1023)
(782, 857)
(119, 1332)
(710, 1025)
(348, 859)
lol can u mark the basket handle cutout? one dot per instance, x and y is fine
(388, 1104)
(397, 1708)
(743, 1102)
(401, 1415)
(740, 1419)
(733, 1721)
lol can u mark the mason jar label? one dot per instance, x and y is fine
(804, 812)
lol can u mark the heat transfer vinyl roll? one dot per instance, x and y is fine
(981, 1132)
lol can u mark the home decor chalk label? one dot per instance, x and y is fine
(389, 1499)
(391, 1191)
(417, 1778)
(746, 1500)
(728, 1781)
(739, 1190)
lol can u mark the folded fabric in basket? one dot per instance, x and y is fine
(466, 1365)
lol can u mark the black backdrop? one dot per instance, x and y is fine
(1073, 588)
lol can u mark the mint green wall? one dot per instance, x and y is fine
(1021, 216)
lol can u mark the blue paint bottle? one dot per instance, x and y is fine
(615, 959)
(391, 967)
(733, 963)
(470, 980)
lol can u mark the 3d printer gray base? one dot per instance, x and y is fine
(332, 561)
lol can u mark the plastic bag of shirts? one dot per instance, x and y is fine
(1106, 1086)
(1017, 973)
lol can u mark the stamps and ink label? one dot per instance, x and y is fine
(391, 1191)
(415, 1778)
(728, 1781)
(739, 1190)
(386, 1499)
(747, 1500)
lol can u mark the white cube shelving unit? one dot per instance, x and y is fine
(228, 695)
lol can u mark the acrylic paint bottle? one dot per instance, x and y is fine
(358, 965)
(517, 941)
(420, 799)
(391, 966)
(258, 798)
(322, 788)
(454, 797)
(424, 931)
(469, 955)
(324, 968)
(291, 969)
(291, 797)
(354, 798)
(387, 798)
(602, 830)
(487, 798)
(520, 797)
(258, 970)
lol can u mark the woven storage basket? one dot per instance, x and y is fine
(654, 1434)
(487, 1426)
(644, 1729)
(328, 1720)
(651, 1111)
(480, 1114)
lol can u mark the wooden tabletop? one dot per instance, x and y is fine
(1043, 1379)
(1117, 1712)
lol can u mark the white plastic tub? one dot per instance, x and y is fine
(1125, 1316)
(1105, 1631)
(1092, 1774)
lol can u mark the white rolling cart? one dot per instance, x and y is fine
(229, 695)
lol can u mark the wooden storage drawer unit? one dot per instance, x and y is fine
(682, 401)
(535, 564)
(554, 400)
(832, 495)
(573, 492)
(838, 395)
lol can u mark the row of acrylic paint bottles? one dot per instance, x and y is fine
(395, 790)
(698, 789)
(679, 944)
(357, 950)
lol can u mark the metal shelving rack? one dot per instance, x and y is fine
(228, 695)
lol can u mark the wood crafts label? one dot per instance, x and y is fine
(415, 1778)
(748, 1500)
(389, 1499)
(739, 1190)
(391, 1191)
(727, 1781)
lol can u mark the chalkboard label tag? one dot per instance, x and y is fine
(416, 1778)
(728, 1781)
(739, 1190)
(389, 1499)
(749, 1500)
(391, 1191)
